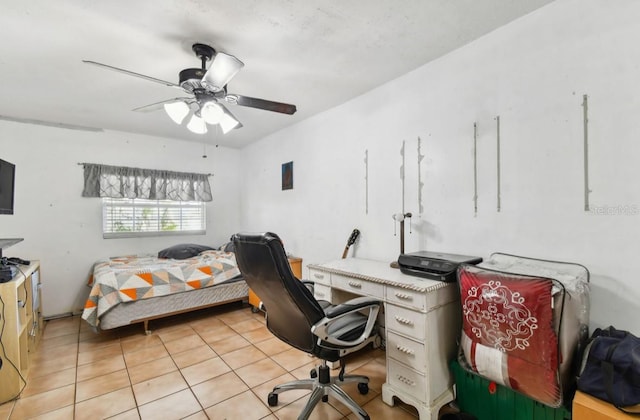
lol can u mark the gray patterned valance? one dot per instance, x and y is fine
(150, 184)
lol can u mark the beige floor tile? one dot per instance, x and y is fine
(184, 343)
(195, 355)
(158, 387)
(200, 415)
(218, 333)
(247, 325)
(98, 354)
(175, 406)
(64, 413)
(106, 405)
(262, 391)
(205, 324)
(228, 345)
(52, 331)
(322, 411)
(377, 409)
(244, 406)
(376, 372)
(96, 342)
(49, 382)
(44, 402)
(219, 389)
(42, 367)
(258, 335)
(5, 410)
(50, 343)
(234, 317)
(145, 355)
(204, 371)
(140, 342)
(175, 332)
(103, 367)
(197, 349)
(273, 346)
(127, 415)
(55, 353)
(243, 357)
(260, 372)
(102, 384)
(146, 371)
(292, 359)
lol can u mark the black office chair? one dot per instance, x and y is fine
(326, 331)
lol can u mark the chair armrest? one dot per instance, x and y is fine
(337, 313)
(349, 306)
(310, 285)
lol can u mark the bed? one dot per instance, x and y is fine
(137, 289)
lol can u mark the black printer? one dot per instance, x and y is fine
(434, 265)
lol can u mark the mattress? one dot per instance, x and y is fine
(137, 278)
(138, 311)
(523, 320)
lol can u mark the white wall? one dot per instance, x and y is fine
(64, 230)
(532, 73)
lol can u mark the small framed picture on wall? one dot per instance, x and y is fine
(287, 176)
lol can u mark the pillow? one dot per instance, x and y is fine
(183, 251)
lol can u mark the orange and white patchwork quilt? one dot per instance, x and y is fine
(131, 278)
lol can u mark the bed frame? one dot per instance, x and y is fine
(146, 310)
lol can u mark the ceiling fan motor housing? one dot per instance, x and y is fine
(190, 78)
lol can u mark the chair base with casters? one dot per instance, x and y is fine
(323, 385)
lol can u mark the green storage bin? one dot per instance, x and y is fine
(474, 397)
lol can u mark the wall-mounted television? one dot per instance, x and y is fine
(7, 182)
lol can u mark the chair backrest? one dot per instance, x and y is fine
(291, 307)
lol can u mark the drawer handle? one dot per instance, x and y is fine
(406, 380)
(404, 349)
(404, 321)
(318, 276)
(403, 296)
(355, 284)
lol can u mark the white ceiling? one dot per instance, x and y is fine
(314, 54)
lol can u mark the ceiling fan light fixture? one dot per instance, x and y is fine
(211, 112)
(222, 69)
(228, 123)
(197, 125)
(177, 111)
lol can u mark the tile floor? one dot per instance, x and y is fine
(218, 363)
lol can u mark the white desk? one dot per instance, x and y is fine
(422, 323)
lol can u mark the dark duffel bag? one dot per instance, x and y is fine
(612, 368)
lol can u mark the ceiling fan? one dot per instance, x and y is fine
(208, 90)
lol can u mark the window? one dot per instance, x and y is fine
(123, 217)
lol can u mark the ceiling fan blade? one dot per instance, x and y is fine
(261, 104)
(221, 71)
(158, 105)
(130, 73)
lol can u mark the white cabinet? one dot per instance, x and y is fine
(422, 323)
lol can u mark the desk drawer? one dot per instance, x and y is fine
(320, 277)
(408, 352)
(406, 297)
(407, 380)
(405, 321)
(357, 286)
(322, 292)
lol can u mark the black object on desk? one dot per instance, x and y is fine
(434, 265)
